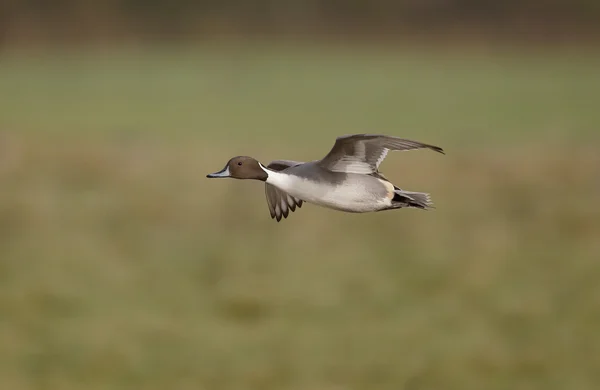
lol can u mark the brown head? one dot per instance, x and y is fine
(241, 167)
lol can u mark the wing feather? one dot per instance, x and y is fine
(363, 153)
(280, 203)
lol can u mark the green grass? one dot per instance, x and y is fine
(265, 93)
(121, 266)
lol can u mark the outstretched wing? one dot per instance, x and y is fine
(280, 203)
(363, 153)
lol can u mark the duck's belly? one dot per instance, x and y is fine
(357, 198)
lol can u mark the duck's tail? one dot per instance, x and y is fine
(419, 200)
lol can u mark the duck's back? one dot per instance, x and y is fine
(337, 190)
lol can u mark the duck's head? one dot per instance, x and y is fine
(241, 167)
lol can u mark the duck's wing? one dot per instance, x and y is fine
(280, 165)
(363, 153)
(280, 203)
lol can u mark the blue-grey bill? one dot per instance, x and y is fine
(222, 173)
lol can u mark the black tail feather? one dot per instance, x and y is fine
(417, 200)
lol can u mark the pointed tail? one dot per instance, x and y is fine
(419, 200)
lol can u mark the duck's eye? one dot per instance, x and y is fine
(239, 163)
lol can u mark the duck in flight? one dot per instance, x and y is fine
(346, 179)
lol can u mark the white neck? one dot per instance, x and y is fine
(277, 179)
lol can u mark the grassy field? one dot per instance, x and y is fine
(123, 267)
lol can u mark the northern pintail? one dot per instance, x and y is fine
(346, 179)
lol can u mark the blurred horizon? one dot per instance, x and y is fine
(122, 266)
(78, 22)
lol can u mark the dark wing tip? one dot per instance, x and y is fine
(418, 145)
(437, 149)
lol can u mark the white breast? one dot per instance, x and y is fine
(346, 197)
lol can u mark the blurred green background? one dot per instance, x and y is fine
(122, 266)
